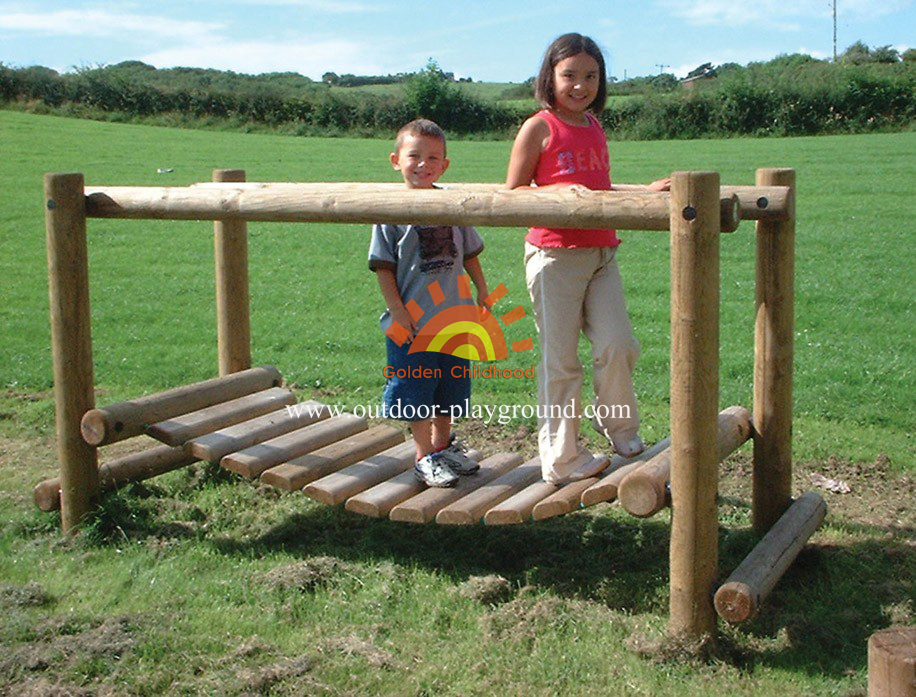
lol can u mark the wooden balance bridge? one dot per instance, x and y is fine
(249, 423)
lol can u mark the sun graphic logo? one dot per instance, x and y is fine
(465, 331)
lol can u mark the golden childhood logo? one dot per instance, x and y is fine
(464, 331)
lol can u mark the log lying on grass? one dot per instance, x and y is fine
(739, 598)
(643, 492)
(125, 419)
(112, 475)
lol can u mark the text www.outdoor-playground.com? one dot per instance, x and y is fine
(488, 413)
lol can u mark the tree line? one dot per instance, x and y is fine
(865, 90)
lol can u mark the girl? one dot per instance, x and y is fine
(572, 275)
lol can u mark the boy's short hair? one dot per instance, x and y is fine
(420, 127)
(564, 47)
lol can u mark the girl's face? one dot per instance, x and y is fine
(575, 85)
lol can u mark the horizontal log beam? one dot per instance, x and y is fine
(374, 203)
(112, 475)
(754, 202)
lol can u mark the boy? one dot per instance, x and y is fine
(406, 260)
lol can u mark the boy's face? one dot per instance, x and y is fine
(420, 160)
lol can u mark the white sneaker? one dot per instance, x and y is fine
(458, 461)
(433, 470)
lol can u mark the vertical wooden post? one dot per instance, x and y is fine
(71, 342)
(773, 350)
(233, 317)
(695, 230)
(892, 663)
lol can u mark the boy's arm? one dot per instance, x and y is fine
(475, 271)
(387, 283)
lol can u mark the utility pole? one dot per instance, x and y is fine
(661, 67)
(834, 30)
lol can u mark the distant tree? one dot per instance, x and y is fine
(140, 65)
(857, 54)
(666, 82)
(330, 78)
(909, 56)
(727, 68)
(886, 54)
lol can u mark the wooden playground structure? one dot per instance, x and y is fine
(240, 419)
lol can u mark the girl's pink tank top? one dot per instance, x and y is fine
(574, 155)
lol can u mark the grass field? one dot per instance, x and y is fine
(195, 584)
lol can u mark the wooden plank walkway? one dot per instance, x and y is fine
(340, 460)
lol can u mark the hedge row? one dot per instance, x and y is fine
(860, 103)
(851, 101)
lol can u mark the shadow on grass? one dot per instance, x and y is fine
(816, 621)
(595, 557)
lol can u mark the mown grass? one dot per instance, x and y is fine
(314, 305)
(197, 583)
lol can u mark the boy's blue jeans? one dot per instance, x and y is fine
(425, 384)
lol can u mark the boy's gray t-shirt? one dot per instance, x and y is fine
(419, 255)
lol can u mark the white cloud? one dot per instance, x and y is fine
(329, 6)
(775, 14)
(104, 24)
(310, 58)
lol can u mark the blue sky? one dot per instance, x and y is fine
(481, 39)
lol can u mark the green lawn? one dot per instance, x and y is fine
(197, 583)
(854, 377)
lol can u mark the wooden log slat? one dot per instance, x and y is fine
(517, 508)
(253, 461)
(309, 203)
(123, 470)
(739, 598)
(643, 492)
(566, 499)
(214, 446)
(471, 509)
(377, 501)
(125, 419)
(337, 487)
(180, 429)
(295, 474)
(423, 507)
(605, 489)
